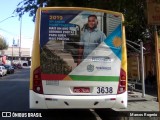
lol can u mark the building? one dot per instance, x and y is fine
(134, 64)
(12, 53)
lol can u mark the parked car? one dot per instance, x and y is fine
(9, 68)
(19, 66)
(3, 71)
(14, 66)
(21, 62)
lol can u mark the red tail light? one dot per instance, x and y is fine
(122, 82)
(37, 82)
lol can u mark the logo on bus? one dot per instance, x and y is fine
(90, 68)
(101, 59)
(103, 68)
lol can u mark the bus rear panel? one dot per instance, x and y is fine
(78, 59)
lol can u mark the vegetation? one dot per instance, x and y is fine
(51, 63)
(3, 44)
(134, 11)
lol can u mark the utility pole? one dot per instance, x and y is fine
(157, 62)
(142, 61)
(142, 70)
(153, 12)
(20, 39)
(12, 55)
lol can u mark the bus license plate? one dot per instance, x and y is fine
(81, 90)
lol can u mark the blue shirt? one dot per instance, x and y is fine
(90, 40)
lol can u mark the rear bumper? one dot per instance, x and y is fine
(40, 101)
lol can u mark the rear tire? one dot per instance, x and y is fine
(24, 64)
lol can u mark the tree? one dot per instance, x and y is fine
(3, 44)
(31, 6)
(134, 11)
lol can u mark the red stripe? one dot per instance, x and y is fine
(53, 76)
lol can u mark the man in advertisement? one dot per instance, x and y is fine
(91, 37)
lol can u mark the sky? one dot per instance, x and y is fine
(10, 27)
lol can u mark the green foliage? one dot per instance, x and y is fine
(133, 10)
(31, 6)
(3, 44)
(52, 63)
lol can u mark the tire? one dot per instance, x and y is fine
(24, 64)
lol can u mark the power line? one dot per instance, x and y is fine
(7, 18)
(8, 32)
(13, 34)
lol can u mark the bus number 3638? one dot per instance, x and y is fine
(104, 90)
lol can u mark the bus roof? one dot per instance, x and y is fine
(82, 8)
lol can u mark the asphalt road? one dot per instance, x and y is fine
(14, 97)
(14, 91)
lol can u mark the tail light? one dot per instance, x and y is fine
(122, 82)
(0, 70)
(37, 82)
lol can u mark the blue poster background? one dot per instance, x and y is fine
(46, 22)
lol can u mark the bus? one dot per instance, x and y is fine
(79, 59)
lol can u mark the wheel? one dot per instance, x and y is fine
(24, 64)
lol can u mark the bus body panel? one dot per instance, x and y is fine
(66, 102)
(99, 72)
(66, 87)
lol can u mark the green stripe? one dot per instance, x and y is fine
(94, 78)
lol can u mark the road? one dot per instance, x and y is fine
(14, 94)
(14, 91)
(14, 97)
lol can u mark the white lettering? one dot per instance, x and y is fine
(61, 35)
(131, 114)
(67, 32)
(34, 115)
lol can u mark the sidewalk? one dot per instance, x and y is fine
(137, 103)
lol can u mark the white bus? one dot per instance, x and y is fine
(78, 59)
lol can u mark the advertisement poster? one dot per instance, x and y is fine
(80, 45)
(133, 67)
(153, 10)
